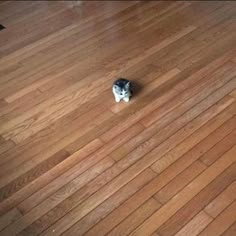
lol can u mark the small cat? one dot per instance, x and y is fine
(122, 90)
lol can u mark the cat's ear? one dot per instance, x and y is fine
(116, 87)
(127, 86)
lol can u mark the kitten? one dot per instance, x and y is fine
(122, 90)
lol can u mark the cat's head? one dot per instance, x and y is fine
(122, 91)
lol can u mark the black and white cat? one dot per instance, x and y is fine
(122, 90)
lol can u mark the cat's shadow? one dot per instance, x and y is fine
(136, 88)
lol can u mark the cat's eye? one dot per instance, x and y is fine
(120, 93)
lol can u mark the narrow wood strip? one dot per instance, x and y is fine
(35, 230)
(185, 54)
(6, 145)
(76, 170)
(79, 84)
(222, 201)
(194, 139)
(36, 34)
(164, 42)
(135, 219)
(3, 103)
(27, 90)
(155, 234)
(9, 217)
(45, 179)
(66, 191)
(218, 48)
(42, 154)
(137, 51)
(131, 132)
(162, 215)
(93, 11)
(234, 59)
(9, 189)
(114, 201)
(30, 14)
(166, 193)
(196, 225)
(10, 8)
(19, 127)
(218, 150)
(205, 25)
(233, 93)
(231, 231)
(27, 101)
(222, 222)
(192, 95)
(10, 73)
(98, 32)
(188, 211)
(79, 123)
(58, 135)
(77, 183)
(205, 67)
(188, 47)
(170, 12)
(59, 35)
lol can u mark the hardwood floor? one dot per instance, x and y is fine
(73, 162)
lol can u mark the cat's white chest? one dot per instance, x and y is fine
(119, 97)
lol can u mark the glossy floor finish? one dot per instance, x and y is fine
(73, 162)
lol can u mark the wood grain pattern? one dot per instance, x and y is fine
(74, 162)
(136, 218)
(231, 231)
(168, 210)
(191, 141)
(107, 206)
(222, 201)
(9, 217)
(222, 222)
(166, 193)
(196, 225)
(192, 208)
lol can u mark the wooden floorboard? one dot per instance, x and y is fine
(74, 162)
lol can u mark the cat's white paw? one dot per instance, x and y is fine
(117, 99)
(126, 99)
